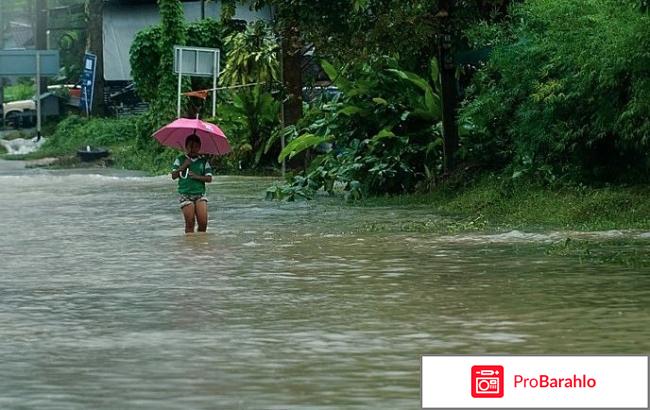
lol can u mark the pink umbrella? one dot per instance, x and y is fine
(213, 140)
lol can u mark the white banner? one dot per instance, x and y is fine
(534, 382)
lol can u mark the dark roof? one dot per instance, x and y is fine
(21, 33)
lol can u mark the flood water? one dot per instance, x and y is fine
(105, 303)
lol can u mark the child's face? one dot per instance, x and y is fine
(193, 148)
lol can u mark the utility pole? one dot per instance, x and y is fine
(449, 88)
(202, 9)
(40, 34)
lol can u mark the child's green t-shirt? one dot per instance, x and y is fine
(199, 166)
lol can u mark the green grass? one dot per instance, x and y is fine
(119, 136)
(492, 203)
(19, 92)
(128, 139)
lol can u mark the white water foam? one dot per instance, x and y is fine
(21, 146)
(516, 236)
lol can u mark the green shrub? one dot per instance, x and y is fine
(76, 132)
(129, 140)
(382, 135)
(566, 93)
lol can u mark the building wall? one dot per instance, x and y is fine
(122, 22)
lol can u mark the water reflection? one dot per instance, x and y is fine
(105, 303)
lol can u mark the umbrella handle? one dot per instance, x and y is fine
(187, 172)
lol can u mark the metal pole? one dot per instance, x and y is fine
(180, 74)
(38, 95)
(87, 101)
(216, 57)
(94, 83)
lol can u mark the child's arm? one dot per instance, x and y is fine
(204, 178)
(176, 173)
(207, 174)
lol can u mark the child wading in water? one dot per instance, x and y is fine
(192, 172)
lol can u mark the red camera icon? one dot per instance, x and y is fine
(487, 381)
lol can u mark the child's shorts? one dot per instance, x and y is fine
(185, 200)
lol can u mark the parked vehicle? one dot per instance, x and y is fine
(19, 113)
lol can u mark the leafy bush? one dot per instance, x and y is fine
(566, 93)
(77, 132)
(129, 140)
(249, 119)
(382, 135)
(145, 54)
(252, 56)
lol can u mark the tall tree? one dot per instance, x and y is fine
(298, 22)
(95, 45)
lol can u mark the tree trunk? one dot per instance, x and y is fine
(95, 45)
(449, 89)
(449, 108)
(292, 75)
(292, 81)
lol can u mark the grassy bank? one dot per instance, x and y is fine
(485, 203)
(130, 143)
(119, 136)
(495, 203)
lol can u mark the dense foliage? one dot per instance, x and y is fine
(381, 135)
(249, 117)
(566, 93)
(354, 30)
(76, 132)
(251, 56)
(564, 96)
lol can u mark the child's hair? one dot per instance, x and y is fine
(192, 138)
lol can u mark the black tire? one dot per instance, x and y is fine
(12, 119)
